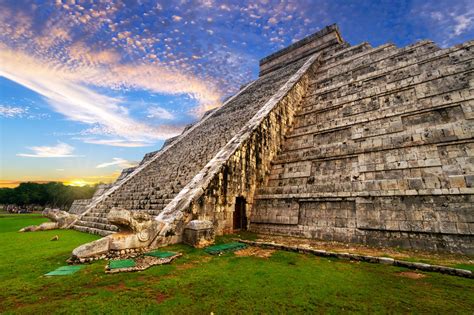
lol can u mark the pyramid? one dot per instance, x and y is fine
(336, 142)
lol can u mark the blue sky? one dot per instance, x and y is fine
(88, 87)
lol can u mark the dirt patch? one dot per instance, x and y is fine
(160, 297)
(411, 275)
(194, 263)
(255, 251)
(116, 287)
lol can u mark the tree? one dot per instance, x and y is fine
(52, 194)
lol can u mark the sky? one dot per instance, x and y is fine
(88, 87)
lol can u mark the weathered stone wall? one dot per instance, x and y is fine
(382, 152)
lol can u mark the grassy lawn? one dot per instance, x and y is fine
(198, 283)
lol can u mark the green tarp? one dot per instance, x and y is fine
(64, 270)
(124, 263)
(159, 254)
(217, 249)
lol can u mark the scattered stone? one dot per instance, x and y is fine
(366, 258)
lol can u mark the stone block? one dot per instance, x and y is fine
(457, 181)
(415, 183)
(199, 233)
(469, 181)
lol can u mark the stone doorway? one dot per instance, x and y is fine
(240, 214)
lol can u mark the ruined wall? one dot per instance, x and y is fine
(382, 152)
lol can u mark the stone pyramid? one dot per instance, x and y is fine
(331, 141)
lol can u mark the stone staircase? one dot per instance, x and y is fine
(162, 177)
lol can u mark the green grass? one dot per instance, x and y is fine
(198, 283)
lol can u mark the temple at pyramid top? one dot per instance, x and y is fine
(309, 45)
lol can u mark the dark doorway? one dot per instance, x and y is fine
(240, 215)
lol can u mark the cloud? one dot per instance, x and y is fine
(448, 23)
(117, 142)
(117, 162)
(159, 112)
(12, 112)
(59, 151)
(71, 74)
(176, 18)
(71, 98)
(7, 111)
(463, 22)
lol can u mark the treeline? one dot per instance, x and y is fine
(53, 194)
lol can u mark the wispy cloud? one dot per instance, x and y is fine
(61, 150)
(159, 113)
(12, 112)
(8, 111)
(117, 162)
(75, 101)
(117, 142)
(69, 72)
(463, 22)
(448, 22)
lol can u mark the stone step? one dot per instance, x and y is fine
(429, 135)
(96, 214)
(349, 112)
(96, 225)
(95, 219)
(426, 58)
(380, 75)
(389, 54)
(330, 70)
(346, 53)
(397, 59)
(154, 212)
(90, 230)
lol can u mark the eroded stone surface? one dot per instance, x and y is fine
(61, 220)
